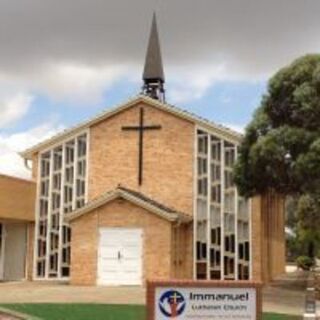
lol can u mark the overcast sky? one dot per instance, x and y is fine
(63, 61)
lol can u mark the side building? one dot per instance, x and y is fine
(17, 216)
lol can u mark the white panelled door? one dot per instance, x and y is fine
(120, 256)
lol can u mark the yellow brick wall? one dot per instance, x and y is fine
(17, 198)
(168, 157)
(182, 251)
(157, 240)
(35, 167)
(168, 178)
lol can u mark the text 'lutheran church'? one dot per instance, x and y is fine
(144, 190)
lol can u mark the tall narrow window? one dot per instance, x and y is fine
(62, 189)
(222, 217)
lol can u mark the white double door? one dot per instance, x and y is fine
(120, 256)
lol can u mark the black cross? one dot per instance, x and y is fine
(141, 128)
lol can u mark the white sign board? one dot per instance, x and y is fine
(205, 303)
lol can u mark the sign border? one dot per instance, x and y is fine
(153, 284)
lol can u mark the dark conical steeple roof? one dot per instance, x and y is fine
(153, 68)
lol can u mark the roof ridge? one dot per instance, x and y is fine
(108, 112)
(168, 213)
(148, 198)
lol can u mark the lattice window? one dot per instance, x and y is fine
(229, 211)
(62, 189)
(243, 239)
(222, 230)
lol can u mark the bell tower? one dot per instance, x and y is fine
(153, 75)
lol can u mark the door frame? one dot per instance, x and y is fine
(100, 230)
(2, 250)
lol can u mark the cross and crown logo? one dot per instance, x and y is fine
(172, 304)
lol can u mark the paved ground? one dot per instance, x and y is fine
(286, 295)
(41, 292)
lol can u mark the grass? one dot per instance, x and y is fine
(80, 311)
(274, 316)
(97, 312)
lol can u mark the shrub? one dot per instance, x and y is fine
(305, 262)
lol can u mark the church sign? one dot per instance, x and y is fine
(206, 300)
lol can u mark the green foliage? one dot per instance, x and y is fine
(305, 262)
(286, 123)
(308, 212)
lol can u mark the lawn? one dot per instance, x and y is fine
(96, 312)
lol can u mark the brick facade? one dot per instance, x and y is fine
(17, 199)
(157, 241)
(168, 157)
(168, 177)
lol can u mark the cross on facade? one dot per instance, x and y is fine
(141, 128)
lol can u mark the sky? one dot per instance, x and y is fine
(62, 62)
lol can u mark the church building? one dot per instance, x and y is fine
(145, 191)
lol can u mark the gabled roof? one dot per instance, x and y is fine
(219, 130)
(136, 198)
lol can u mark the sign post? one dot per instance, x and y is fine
(205, 300)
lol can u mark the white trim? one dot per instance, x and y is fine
(64, 141)
(222, 212)
(75, 173)
(48, 242)
(2, 251)
(220, 137)
(250, 239)
(208, 205)
(195, 194)
(236, 212)
(61, 220)
(37, 217)
(219, 131)
(87, 166)
(109, 196)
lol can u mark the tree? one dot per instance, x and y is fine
(309, 221)
(281, 146)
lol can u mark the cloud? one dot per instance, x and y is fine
(10, 144)
(13, 107)
(76, 48)
(192, 84)
(75, 82)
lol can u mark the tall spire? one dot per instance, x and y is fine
(153, 75)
